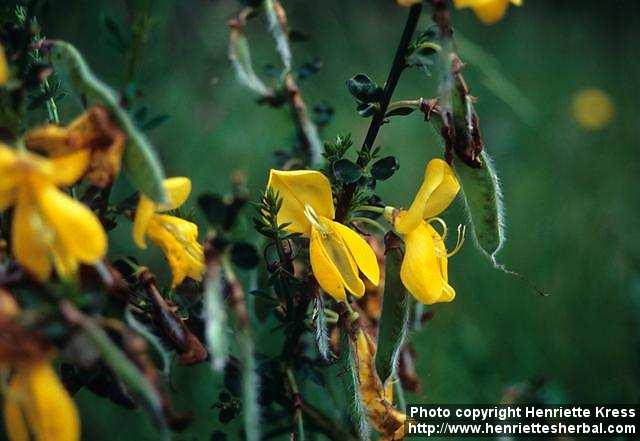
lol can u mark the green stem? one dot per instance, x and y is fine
(404, 103)
(368, 221)
(52, 107)
(297, 412)
(371, 208)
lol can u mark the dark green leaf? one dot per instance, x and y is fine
(213, 208)
(117, 40)
(323, 113)
(141, 114)
(346, 171)
(364, 89)
(401, 111)
(296, 36)
(309, 68)
(154, 122)
(366, 109)
(244, 255)
(384, 168)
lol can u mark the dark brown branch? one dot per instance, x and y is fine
(398, 66)
(186, 343)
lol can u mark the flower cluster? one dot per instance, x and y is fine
(338, 255)
(54, 232)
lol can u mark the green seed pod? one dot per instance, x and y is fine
(140, 159)
(394, 319)
(483, 200)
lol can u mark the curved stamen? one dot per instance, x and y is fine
(443, 224)
(462, 229)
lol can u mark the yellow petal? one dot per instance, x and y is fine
(324, 270)
(65, 263)
(50, 412)
(178, 190)
(7, 198)
(362, 253)
(51, 139)
(8, 156)
(67, 169)
(14, 418)
(333, 247)
(4, 68)
(439, 187)
(76, 227)
(145, 210)
(8, 177)
(448, 293)
(298, 188)
(178, 239)
(29, 237)
(421, 269)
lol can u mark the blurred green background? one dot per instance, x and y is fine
(571, 195)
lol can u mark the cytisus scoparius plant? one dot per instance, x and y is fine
(336, 272)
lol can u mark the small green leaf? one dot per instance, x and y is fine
(401, 111)
(367, 109)
(154, 122)
(346, 171)
(384, 168)
(364, 89)
(117, 39)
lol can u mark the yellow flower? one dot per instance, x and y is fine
(4, 68)
(337, 253)
(177, 237)
(593, 109)
(488, 11)
(95, 131)
(36, 403)
(424, 266)
(49, 229)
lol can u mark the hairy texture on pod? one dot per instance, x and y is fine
(140, 159)
(483, 200)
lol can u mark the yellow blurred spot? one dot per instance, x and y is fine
(593, 109)
(4, 68)
(408, 3)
